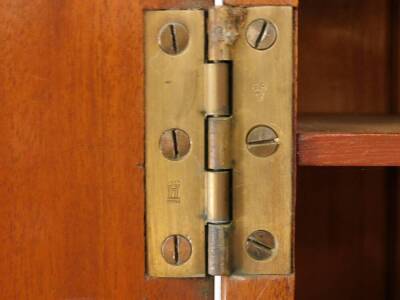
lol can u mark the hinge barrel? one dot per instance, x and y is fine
(219, 254)
(223, 31)
(218, 191)
(217, 89)
(219, 143)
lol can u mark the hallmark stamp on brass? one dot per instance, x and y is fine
(259, 90)
(173, 191)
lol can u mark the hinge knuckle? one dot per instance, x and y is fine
(223, 31)
(219, 143)
(217, 89)
(219, 147)
(218, 192)
(219, 254)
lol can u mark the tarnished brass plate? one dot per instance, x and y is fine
(174, 182)
(262, 186)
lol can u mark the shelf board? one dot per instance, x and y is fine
(349, 140)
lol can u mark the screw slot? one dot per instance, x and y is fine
(261, 34)
(176, 249)
(260, 245)
(173, 38)
(262, 141)
(174, 144)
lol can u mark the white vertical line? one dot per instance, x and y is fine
(217, 288)
(218, 279)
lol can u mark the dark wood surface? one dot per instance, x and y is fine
(72, 152)
(394, 184)
(342, 232)
(344, 65)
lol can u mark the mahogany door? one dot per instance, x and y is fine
(72, 153)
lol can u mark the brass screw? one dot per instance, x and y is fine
(173, 38)
(262, 141)
(174, 144)
(261, 34)
(260, 245)
(176, 249)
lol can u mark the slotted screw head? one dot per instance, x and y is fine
(173, 38)
(261, 34)
(174, 144)
(260, 245)
(176, 249)
(262, 141)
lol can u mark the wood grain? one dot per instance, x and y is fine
(394, 180)
(349, 141)
(343, 65)
(349, 149)
(341, 234)
(71, 152)
(260, 287)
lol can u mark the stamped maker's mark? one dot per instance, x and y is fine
(174, 191)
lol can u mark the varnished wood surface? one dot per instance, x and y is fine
(341, 234)
(344, 149)
(71, 153)
(261, 287)
(344, 64)
(294, 3)
(349, 141)
(344, 67)
(347, 123)
(394, 183)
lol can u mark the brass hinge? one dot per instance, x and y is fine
(219, 141)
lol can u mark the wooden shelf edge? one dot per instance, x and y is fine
(345, 149)
(293, 3)
(349, 140)
(276, 287)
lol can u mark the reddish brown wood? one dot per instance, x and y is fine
(261, 287)
(342, 149)
(262, 2)
(344, 67)
(349, 141)
(72, 152)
